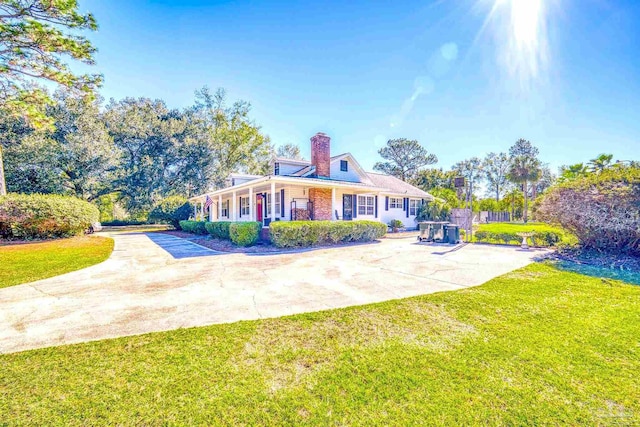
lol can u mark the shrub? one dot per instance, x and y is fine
(602, 210)
(43, 216)
(394, 224)
(172, 210)
(219, 229)
(244, 233)
(309, 233)
(195, 227)
(540, 239)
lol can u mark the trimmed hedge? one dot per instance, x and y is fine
(286, 234)
(540, 239)
(195, 227)
(244, 233)
(219, 229)
(44, 216)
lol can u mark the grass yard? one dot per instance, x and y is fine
(536, 346)
(22, 263)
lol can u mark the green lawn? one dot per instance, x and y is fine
(22, 263)
(537, 346)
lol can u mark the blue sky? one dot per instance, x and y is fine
(363, 72)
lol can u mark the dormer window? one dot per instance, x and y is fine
(276, 168)
(344, 166)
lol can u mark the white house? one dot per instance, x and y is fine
(326, 188)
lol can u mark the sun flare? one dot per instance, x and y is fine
(520, 29)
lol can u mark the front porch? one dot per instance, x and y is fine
(270, 200)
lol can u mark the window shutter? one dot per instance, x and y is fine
(281, 203)
(386, 203)
(406, 203)
(376, 206)
(240, 205)
(354, 197)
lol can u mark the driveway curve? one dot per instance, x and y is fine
(156, 282)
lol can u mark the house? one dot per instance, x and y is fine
(326, 188)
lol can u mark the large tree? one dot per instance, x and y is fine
(471, 170)
(495, 168)
(524, 168)
(35, 38)
(431, 178)
(234, 142)
(404, 157)
(289, 151)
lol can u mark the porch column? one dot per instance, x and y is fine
(235, 212)
(202, 211)
(195, 211)
(273, 201)
(251, 213)
(333, 202)
(219, 207)
(211, 212)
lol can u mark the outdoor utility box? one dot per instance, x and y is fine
(438, 231)
(452, 233)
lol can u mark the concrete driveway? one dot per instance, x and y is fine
(157, 282)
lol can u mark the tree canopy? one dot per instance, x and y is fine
(404, 157)
(289, 151)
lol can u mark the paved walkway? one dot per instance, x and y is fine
(156, 282)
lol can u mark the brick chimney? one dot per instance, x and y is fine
(321, 154)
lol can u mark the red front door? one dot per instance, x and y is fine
(259, 208)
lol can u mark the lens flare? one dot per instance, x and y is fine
(520, 28)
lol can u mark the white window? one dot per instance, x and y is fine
(414, 206)
(277, 205)
(244, 206)
(395, 203)
(225, 209)
(366, 205)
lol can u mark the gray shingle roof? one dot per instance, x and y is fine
(397, 186)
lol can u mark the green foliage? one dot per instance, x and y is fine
(495, 168)
(289, 151)
(491, 205)
(449, 196)
(219, 229)
(195, 227)
(395, 224)
(35, 36)
(524, 168)
(432, 179)
(436, 210)
(39, 216)
(471, 170)
(172, 210)
(404, 158)
(308, 233)
(507, 233)
(602, 210)
(244, 233)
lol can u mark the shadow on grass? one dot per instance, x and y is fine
(628, 276)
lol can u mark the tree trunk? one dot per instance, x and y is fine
(526, 202)
(3, 184)
(497, 193)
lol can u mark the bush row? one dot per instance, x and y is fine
(241, 233)
(195, 227)
(308, 233)
(44, 216)
(540, 239)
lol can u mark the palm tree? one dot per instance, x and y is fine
(600, 163)
(571, 172)
(523, 170)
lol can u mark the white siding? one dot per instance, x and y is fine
(397, 213)
(350, 175)
(287, 168)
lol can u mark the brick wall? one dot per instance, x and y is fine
(321, 198)
(321, 154)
